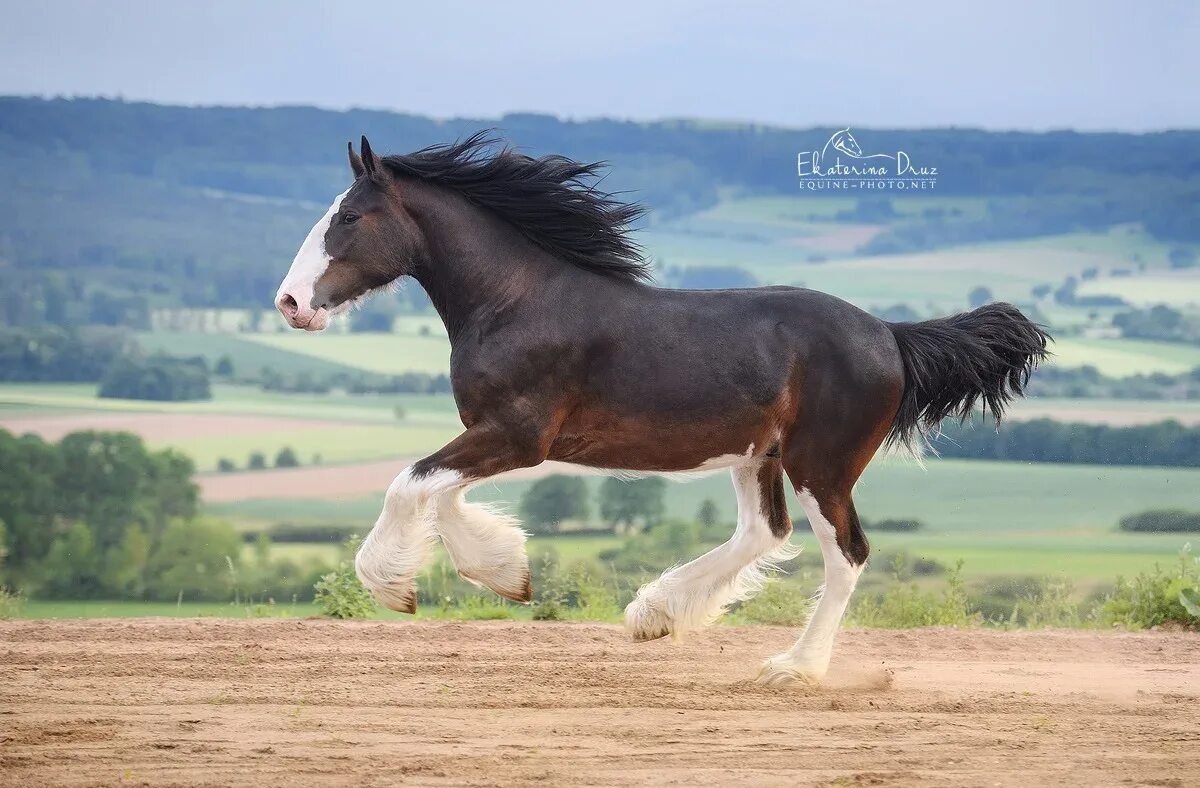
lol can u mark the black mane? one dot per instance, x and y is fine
(553, 200)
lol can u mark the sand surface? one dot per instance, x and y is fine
(265, 702)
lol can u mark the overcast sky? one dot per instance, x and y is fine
(1013, 64)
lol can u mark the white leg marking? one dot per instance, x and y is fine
(486, 545)
(697, 593)
(808, 659)
(398, 546)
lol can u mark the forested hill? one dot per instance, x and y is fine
(206, 205)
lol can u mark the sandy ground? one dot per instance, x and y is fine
(313, 702)
(159, 427)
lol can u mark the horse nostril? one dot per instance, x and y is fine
(288, 305)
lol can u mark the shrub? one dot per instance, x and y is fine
(1157, 597)
(780, 603)
(257, 461)
(286, 458)
(906, 605)
(1028, 602)
(339, 594)
(896, 525)
(473, 607)
(1162, 521)
(226, 465)
(11, 603)
(574, 593)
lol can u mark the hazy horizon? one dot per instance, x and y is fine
(1082, 66)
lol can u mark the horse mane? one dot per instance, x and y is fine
(552, 200)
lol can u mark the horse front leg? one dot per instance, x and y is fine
(426, 501)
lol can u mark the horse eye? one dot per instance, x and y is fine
(349, 218)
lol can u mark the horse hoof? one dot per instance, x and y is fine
(646, 622)
(401, 599)
(524, 596)
(779, 672)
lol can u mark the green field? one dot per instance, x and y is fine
(384, 353)
(1003, 518)
(1120, 357)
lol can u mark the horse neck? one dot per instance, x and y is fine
(475, 265)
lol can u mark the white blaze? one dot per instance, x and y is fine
(311, 261)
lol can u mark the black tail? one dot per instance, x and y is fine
(953, 362)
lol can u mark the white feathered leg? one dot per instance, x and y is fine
(487, 546)
(808, 660)
(697, 593)
(398, 546)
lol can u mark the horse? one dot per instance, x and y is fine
(562, 349)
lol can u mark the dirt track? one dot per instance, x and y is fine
(315, 702)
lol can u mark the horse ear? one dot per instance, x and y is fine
(356, 164)
(369, 160)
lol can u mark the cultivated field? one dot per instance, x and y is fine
(301, 702)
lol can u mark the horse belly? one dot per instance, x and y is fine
(644, 443)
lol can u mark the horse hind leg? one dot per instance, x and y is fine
(844, 548)
(697, 593)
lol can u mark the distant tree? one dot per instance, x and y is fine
(194, 560)
(286, 458)
(71, 568)
(369, 321)
(716, 277)
(158, 378)
(897, 313)
(707, 514)
(1041, 291)
(226, 465)
(399, 412)
(224, 367)
(257, 461)
(124, 569)
(877, 210)
(1181, 257)
(550, 501)
(626, 502)
(979, 296)
(1162, 521)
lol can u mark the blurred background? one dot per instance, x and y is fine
(169, 447)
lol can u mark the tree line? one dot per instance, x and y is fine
(98, 515)
(138, 183)
(1166, 443)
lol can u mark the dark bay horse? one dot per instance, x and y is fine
(561, 350)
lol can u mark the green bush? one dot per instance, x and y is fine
(1162, 521)
(11, 603)
(906, 605)
(339, 594)
(896, 525)
(575, 592)
(196, 559)
(781, 603)
(1028, 602)
(1157, 597)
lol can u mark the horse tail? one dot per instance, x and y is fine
(953, 362)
